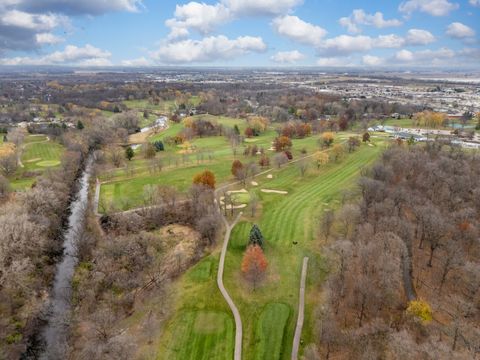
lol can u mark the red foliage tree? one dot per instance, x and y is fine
(254, 265)
(237, 167)
(264, 161)
(249, 132)
(206, 178)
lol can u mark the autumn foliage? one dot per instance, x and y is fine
(237, 167)
(254, 265)
(282, 143)
(206, 178)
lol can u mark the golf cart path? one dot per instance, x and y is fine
(301, 311)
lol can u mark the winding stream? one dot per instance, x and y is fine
(55, 333)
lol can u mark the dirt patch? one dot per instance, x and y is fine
(274, 191)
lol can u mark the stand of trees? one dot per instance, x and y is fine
(412, 236)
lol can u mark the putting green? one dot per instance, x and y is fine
(48, 163)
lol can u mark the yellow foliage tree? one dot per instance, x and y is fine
(327, 138)
(420, 309)
(321, 158)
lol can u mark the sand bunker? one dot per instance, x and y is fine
(254, 183)
(269, 176)
(274, 191)
(241, 206)
(237, 191)
(370, 144)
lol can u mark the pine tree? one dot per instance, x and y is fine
(80, 125)
(256, 237)
(129, 154)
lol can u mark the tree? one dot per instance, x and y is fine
(264, 161)
(8, 164)
(256, 237)
(206, 178)
(80, 125)
(249, 132)
(237, 167)
(327, 139)
(4, 187)
(159, 146)
(337, 151)
(129, 153)
(321, 158)
(254, 265)
(149, 150)
(236, 130)
(353, 143)
(302, 166)
(280, 159)
(282, 143)
(366, 137)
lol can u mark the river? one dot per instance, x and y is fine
(55, 333)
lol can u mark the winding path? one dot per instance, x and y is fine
(301, 311)
(228, 299)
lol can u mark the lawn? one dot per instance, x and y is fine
(269, 313)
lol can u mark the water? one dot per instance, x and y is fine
(55, 333)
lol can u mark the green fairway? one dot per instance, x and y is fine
(41, 153)
(200, 335)
(269, 313)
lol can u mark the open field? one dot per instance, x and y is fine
(269, 312)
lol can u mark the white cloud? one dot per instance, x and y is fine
(346, 44)
(48, 39)
(459, 31)
(201, 17)
(360, 17)
(424, 57)
(432, 7)
(139, 62)
(261, 7)
(388, 41)
(288, 57)
(36, 22)
(474, 2)
(71, 55)
(208, 49)
(298, 30)
(333, 62)
(371, 60)
(419, 37)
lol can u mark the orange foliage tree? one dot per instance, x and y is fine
(282, 143)
(254, 265)
(206, 178)
(237, 167)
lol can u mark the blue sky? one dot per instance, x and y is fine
(429, 33)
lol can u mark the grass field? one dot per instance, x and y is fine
(269, 313)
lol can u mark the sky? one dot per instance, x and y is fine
(324, 33)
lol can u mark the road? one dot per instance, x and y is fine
(301, 311)
(228, 299)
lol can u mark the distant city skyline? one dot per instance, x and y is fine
(246, 33)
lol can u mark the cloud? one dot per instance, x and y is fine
(371, 60)
(261, 7)
(419, 37)
(424, 57)
(333, 62)
(360, 17)
(139, 62)
(432, 7)
(48, 39)
(208, 49)
(201, 17)
(474, 3)
(287, 57)
(76, 7)
(458, 30)
(298, 30)
(71, 55)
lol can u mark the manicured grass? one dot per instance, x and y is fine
(41, 154)
(269, 313)
(200, 335)
(269, 332)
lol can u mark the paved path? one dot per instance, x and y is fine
(301, 311)
(228, 299)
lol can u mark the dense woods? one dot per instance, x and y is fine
(408, 248)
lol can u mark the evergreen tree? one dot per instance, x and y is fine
(80, 125)
(256, 237)
(236, 130)
(129, 154)
(159, 146)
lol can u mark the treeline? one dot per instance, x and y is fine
(406, 278)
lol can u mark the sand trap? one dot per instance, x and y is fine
(271, 149)
(237, 191)
(269, 176)
(241, 206)
(370, 144)
(254, 183)
(33, 160)
(274, 191)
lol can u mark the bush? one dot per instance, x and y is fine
(420, 309)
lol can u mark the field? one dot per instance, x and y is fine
(38, 154)
(124, 188)
(289, 224)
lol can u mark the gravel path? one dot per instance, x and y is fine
(301, 311)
